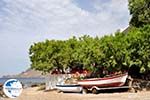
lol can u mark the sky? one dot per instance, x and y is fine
(24, 22)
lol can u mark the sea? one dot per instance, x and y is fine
(27, 82)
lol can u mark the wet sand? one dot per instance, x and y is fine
(34, 94)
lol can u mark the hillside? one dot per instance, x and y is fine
(30, 73)
(26, 74)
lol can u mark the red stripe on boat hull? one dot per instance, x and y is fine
(117, 84)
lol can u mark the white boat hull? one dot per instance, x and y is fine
(69, 88)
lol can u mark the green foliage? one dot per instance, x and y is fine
(114, 52)
(140, 11)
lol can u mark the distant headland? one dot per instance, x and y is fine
(26, 74)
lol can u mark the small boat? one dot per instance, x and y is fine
(69, 88)
(113, 81)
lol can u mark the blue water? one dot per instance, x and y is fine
(27, 82)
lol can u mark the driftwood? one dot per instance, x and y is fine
(136, 85)
(1, 90)
(1, 87)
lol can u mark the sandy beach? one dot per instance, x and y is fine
(34, 94)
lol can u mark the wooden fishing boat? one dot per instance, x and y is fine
(113, 81)
(95, 84)
(69, 88)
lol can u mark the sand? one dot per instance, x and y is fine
(34, 94)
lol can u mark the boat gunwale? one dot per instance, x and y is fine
(69, 85)
(105, 78)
